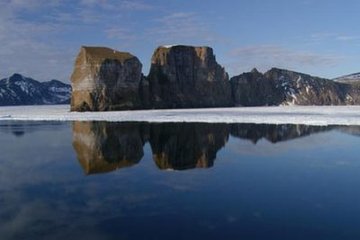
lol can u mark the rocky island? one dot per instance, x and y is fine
(190, 77)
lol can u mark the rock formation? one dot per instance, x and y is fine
(254, 89)
(105, 79)
(187, 77)
(284, 87)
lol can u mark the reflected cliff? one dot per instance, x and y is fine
(185, 146)
(106, 146)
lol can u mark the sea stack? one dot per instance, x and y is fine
(105, 79)
(187, 77)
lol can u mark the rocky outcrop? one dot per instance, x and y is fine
(254, 89)
(187, 77)
(105, 79)
(20, 90)
(284, 87)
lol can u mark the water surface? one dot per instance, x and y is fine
(99, 180)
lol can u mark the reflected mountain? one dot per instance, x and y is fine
(181, 146)
(20, 128)
(274, 133)
(106, 146)
(351, 130)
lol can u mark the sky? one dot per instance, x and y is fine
(41, 38)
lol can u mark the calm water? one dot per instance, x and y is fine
(97, 180)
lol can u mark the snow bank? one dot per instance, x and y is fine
(311, 115)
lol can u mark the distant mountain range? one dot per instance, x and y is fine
(351, 78)
(20, 90)
(248, 89)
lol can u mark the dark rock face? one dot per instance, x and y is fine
(283, 87)
(20, 90)
(187, 77)
(254, 89)
(103, 147)
(105, 79)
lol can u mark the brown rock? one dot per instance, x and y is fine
(105, 79)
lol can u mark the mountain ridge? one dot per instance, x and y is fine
(20, 90)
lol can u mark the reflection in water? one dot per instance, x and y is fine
(274, 133)
(301, 189)
(185, 146)
(103, 146)
(106, 146)
(20, 128)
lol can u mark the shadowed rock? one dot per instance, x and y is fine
(187, 77)
(103, 146)
(254, 89)
(105, 79)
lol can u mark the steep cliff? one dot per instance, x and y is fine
(187, 77)
(105, 79)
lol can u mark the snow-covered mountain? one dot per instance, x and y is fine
(285, 87)
(351, 78)
(20, 90)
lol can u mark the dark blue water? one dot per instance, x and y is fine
(88, 180)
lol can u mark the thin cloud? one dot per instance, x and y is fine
(283, 55)
(118, 5)
(42, 47)
(119, 33)
(326, 36)
(267, 56)
(181, 27)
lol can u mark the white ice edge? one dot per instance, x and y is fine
(309, 115)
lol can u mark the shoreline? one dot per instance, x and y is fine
(307, 115)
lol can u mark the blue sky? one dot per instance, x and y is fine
(41, 38)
